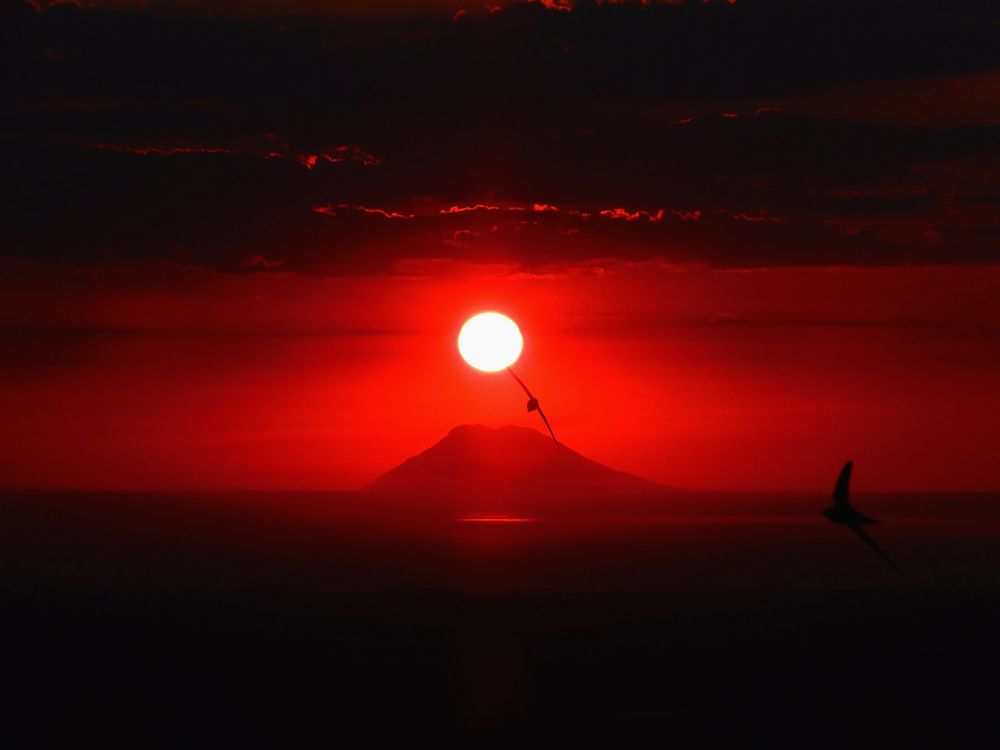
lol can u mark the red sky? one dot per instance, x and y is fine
(745, 242)
(169, 377)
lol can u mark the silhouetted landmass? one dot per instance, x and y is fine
(514, 469)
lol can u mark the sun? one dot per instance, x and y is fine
(490, 341)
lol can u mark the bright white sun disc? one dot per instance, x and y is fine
(490, 341)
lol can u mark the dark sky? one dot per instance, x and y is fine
(767, 133)
(238, 239)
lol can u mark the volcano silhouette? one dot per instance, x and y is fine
(508, 469)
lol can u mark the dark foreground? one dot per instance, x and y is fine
(822, 669)
(108, 636)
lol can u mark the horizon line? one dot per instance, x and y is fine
(667, 490)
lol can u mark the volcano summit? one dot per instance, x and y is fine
(508, 469)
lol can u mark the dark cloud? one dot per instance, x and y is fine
(527, 135)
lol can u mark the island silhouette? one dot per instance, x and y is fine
(480, 469)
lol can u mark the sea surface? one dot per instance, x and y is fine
(304, 619)
(346, 542)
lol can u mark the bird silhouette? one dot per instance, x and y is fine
(533, 405)
(845, 514)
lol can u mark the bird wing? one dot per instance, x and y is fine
(871, 543)
(544, 419)
(520, 382)
(842, 490)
